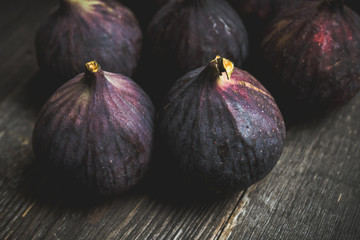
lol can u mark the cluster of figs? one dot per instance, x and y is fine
(189, 69)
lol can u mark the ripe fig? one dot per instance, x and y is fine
(98, 128)
(222, 129)
(312, 53)
(186, 34)
(82, 30)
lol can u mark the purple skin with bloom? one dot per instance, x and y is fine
(187, 34)
(82, 30)
(222, 128)
(312, 55)
(97, 127)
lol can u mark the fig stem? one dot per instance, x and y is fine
(224, 65)
(92, 66)
(93, 72)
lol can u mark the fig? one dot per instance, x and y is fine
(98, 129)
(82, 30)
(312, 55)
(221, 129)
(187, 34)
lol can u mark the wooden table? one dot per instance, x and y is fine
(312, 193)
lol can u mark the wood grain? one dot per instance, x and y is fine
(312, 193)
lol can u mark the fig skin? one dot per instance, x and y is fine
(312, 55)
(82, 30)
(98, 129)
(187, 34)
(221, 134)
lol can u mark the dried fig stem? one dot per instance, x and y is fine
(224, 65)
(93, 71)
(92, 66)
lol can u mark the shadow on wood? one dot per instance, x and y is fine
(54, 189)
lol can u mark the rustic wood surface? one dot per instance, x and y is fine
(312, 193)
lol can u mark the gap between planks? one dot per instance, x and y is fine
(226, 227)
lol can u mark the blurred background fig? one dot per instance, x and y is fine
(82, 30)
(97, 128)
(221, 129)
(312, 55)
(190, 33)
(186, 34)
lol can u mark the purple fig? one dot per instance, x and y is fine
(221, 128)
(187, 34)
(97, 127)
(312, 55)
(82, 30)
